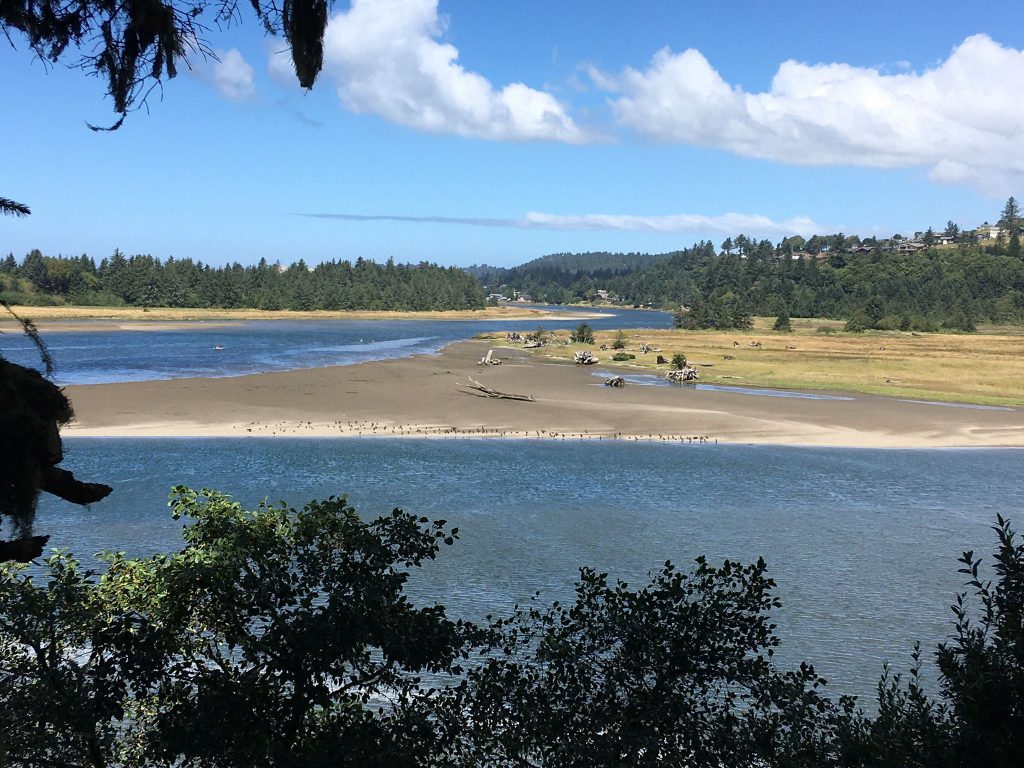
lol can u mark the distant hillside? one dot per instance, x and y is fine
(594, 261)
(549, 275)
(485, 273)
(882, 283)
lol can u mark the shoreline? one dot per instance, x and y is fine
(424, 397)
(66, 319)
(512, 438)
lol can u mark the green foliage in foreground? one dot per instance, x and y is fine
(284, 637)
(251, 647)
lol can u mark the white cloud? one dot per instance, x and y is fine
(386, 59)
(725, 224)
(233, 76)
(279, 63)
(962, 119)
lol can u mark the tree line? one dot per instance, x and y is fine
(879, 283)
(146, 281)
(284, 637)
(922, 289)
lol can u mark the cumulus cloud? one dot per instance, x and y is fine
(962, 119)
(386, 58)
(233, 76)
(725, 224)
(279, 62)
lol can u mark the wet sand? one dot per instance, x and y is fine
(425, 396)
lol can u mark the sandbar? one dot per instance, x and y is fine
(66, 319)
(426, 396)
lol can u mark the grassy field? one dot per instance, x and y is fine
(985, 368)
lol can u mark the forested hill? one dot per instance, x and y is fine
(925, 285)
(149, 282)
(563, 270)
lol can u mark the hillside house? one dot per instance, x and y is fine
(910, 246)
(989, 231)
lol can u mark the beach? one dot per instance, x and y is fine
(67, 319)
(428, 396)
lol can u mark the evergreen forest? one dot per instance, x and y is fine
(926, 287)
(146, 281)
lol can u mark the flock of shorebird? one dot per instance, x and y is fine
(363, 428)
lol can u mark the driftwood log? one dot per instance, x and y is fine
(615, 381)
(489, 359)
(584, 357)
(682, 374)
(476, 388)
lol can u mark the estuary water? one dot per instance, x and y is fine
(862, 543)
(262, 346)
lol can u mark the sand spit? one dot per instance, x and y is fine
(425, 396)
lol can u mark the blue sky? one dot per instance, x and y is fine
(519, 129)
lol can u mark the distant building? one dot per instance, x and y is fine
(989, 231)
(910, 246)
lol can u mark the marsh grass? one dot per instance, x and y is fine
(985, 368)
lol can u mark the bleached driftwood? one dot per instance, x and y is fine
(683, 374)
(489, 359)
(615, 381)
(584, 357)
(476, 388)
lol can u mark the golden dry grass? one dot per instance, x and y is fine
(981, 368)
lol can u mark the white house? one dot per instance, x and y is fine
(988, 231)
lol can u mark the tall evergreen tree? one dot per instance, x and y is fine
(1011, 221)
